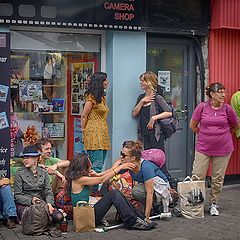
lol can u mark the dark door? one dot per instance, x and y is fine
(172, 60)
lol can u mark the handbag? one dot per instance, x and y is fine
(192, 196)
(83, 217)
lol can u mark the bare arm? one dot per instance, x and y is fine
(59, 164)
(194, 126)
(108, 175)
(147, 99)
(117, 163)
(86, 110)
(149, 198)
(157, 117)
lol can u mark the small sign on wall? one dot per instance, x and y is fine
(164, 80)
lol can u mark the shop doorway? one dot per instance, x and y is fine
(173, 61)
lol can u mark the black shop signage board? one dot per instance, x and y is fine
(96, 14)
(4, 104)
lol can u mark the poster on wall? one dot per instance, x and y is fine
(30, 90)
(81, 74)
(3, 120)
(3, 93)
(58, 104)
(78, 142)
(54, 130)
(164, 80)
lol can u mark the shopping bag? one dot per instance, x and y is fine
(83, 217)
(191, 197)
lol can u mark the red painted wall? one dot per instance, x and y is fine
(224, 64)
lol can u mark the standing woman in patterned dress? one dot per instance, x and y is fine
(94, 122)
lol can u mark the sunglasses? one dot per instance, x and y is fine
(123, 155)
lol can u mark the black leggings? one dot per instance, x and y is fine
(125, 210)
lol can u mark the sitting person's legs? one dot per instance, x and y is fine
(116, 198)
(125, 209)
(7, 206)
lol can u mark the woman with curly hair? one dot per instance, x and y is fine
(94, 122)
(213, 121)
(80, 177)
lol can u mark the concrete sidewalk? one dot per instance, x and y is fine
(225, 226)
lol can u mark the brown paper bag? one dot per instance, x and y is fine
(191, 196)
(83, 217)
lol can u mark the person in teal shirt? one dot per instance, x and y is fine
(80, 177)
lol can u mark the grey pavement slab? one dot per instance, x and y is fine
(226, 226)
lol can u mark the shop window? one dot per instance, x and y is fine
(6, 9)
(47, 89)
(48, 12)
(25, 10)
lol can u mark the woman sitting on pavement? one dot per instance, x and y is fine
(143, 173)
(31, 184)
(80, 177)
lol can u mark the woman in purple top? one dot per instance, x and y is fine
(213, 122)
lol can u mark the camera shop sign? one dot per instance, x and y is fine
(124, 11)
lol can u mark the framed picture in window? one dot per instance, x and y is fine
(54, 130)
(58, 104)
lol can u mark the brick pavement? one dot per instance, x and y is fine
(226, 226)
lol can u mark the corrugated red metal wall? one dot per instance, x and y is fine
(224, 66)
(225, 14)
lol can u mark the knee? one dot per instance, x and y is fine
(57, 216)
(115, 192)
(136, 192)
(6, 189)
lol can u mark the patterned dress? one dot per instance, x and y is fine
(96, 134)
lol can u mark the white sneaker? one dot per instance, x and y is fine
(214, 210)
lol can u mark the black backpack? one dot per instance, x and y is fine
(168, 125)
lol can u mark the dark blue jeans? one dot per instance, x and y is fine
(125, 210)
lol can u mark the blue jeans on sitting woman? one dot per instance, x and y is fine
(7, 204)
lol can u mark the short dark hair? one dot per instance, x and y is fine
(41, 142)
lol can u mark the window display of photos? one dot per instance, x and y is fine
(47, 86)
(81, 75)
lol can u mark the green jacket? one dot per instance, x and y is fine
(26, 186)
(235, 103)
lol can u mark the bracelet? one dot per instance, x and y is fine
(114, 172)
